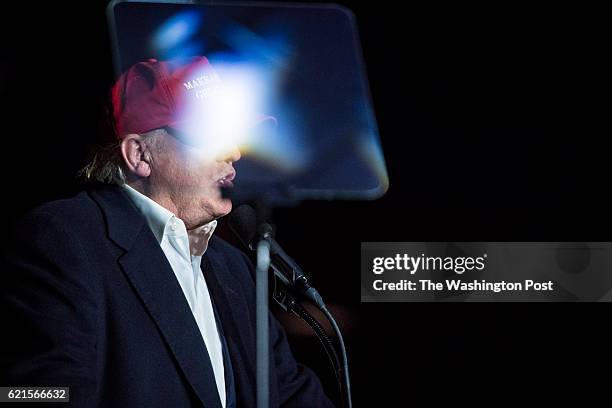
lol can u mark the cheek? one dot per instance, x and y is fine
(184, 171)
(168, 166)
(190, 172)
(205, 173)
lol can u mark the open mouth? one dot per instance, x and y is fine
(227, 180)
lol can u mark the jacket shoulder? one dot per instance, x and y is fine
(235, 259)
(77, 211)
(221, 245)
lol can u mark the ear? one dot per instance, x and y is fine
(135, 155)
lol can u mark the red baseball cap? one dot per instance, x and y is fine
(157, 94)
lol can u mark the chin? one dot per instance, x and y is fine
(222, 208)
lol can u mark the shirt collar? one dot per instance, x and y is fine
(164, 222)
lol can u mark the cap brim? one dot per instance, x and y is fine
(183, 129)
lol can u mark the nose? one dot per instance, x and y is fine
(232, 154)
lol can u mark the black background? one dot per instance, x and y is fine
(494, 124)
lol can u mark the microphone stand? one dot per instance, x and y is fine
(286, 299)
(285, 293)
(282, 295)
(261, 317)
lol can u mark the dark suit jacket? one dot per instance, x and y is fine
(89, 301)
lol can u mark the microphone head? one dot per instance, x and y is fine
(243, 222)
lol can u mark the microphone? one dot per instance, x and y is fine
(243, 222)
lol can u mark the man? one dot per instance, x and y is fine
(122, 292)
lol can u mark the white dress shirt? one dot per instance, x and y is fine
(174, 240)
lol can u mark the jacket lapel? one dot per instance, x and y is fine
(232, 309)
(148, 270)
